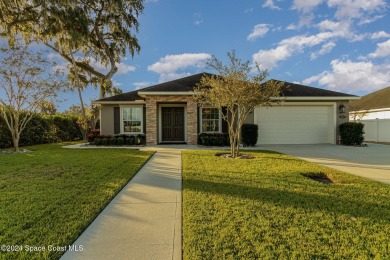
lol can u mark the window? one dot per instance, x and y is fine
(211, 119)
(132, 120)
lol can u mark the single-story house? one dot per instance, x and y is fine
(168, 113)
(372, 106)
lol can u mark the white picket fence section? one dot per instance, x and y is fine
(377, 130)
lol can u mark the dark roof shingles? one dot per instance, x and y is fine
(188, 84)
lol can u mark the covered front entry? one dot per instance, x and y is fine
(172, 124)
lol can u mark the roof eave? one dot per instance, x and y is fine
(165, 93)
(119, 102)
(316, 98)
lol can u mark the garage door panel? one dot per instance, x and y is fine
(295, 124)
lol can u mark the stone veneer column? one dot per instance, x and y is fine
(152, 117)
(192, 121)
(151, 120)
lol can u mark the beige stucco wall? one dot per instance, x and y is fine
(107, 119)
(152, 112)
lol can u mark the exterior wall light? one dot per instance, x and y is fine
(342, 109)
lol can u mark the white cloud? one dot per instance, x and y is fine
(116, 83)
(352, 76)
(258, 31)
(248, 10)
(382, 50)
(124, 69)
(268, 59)
(198, 18)
(270, 4)
(168, 66)
(142, 84)
(306, 6)
(347, 9)
(379, 35)
(368, 20)
(326, 48)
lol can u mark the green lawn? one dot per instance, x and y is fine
(50, 195)
(264, 208)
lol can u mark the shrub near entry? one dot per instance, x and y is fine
(249, 133)
(352, 133)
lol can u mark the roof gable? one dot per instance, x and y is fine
(375, 100)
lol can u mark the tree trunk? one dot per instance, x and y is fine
(15, 140)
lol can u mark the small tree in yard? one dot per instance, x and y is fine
(238, 89)
(26, 80)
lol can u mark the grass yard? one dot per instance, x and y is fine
(264, 208)
(50, 195)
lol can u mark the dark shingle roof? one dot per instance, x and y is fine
(297, 90)
(375, 100)
(128, 96)
(187, 84)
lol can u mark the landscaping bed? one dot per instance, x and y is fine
(276, 206)
(50, 194)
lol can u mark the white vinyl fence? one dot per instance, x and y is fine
(377, 130)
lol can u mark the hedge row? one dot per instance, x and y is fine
(214, 139)
(43, 129)
(119, 140)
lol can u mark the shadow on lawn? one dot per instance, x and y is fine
(313, 202)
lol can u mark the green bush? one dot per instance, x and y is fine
(97, 141)
(112, 141)
(120, 141)
(129, 140)
(43, 129)
(352, 133)
(249, 133)
(214, 139)
(104, 141)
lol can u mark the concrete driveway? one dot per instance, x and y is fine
(371, 162)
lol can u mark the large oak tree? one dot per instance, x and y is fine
(83, 32)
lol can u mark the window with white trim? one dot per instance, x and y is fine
(211, 120)
(132, 120)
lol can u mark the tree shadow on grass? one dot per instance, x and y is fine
(332, 203)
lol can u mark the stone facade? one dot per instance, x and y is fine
(152, 113)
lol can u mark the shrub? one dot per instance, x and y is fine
(112, 141)
(43, 129)
(92, 135)
(352, 133)
(249, 133)
(104, 141)
(120, 141)
(214, 139)
(130, 140)
(140, 139)
(97, 141)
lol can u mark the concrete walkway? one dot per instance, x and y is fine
(144, 220)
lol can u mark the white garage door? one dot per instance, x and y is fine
(295, 124)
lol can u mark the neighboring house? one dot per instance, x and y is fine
(374, 111)
(168, 113)
(372, 106)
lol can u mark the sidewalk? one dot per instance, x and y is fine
(144, 220)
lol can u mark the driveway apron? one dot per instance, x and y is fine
(372, 161)
(143, 221)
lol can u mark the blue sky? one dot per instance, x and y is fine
(342, 45)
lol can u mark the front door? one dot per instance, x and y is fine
(172, 121)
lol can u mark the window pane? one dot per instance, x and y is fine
(210, 120)
(132, 120)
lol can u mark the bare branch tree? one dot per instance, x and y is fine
(26, 81)
(238, 89)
